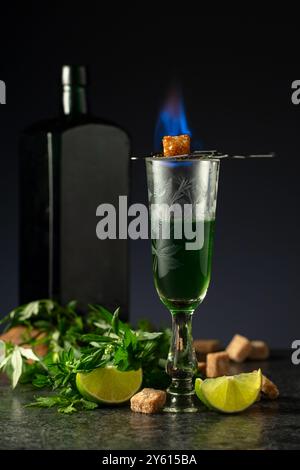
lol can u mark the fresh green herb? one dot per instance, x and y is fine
(64, 404)
(11, 360)
(79, 343)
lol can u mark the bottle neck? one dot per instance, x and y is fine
(74, 101)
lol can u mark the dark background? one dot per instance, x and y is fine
(236, 74)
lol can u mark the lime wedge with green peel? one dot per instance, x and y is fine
(199, 393)
(230, 394)
(108, 385)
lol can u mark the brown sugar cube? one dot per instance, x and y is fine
(148, 400)
(19, 334)
(205, 346)
(176, 145)
(269, 389)
(202, 367)
(239, 348)
(15, 335)
(217, 364)
(259, 350)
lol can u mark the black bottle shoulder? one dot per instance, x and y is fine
(64, 123)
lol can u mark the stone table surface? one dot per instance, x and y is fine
(266, 425)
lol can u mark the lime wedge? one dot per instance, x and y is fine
(109, 385)
(230, 394)
(199, 393)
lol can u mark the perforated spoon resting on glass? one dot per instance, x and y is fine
(211, 154)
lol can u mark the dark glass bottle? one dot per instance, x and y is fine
(68, 166)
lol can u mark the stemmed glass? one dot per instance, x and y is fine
(182, 198)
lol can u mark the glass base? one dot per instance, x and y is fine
(181, 402)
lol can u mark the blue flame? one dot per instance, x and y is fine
(175, 164)
(172, 119)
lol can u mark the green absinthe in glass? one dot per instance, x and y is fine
(182, 276)
(182, 196)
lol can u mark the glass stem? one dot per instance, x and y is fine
(181, 364)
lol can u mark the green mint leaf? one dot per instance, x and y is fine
(2, 351)
(16, 363)
(44, 325)
(145, 325)
(16, 316)
(97, 345)
(42, 381)
(29, 310)
(68, 402)
(46, 402)
(91, 360)
(28, 354)
(88, 405)
(67, 409)
(102, 312)
(98, 338)
(71, 306)
(5, 361)
(115, 321)
(121, 359)
(146, 336)
(26, 312)
(102, 325)
(33, 309)
(130, 338)
(48, 304)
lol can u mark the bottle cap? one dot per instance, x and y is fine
(74, 75)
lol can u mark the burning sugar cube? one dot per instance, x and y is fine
(176, 145)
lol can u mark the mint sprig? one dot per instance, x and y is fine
(79, 343)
